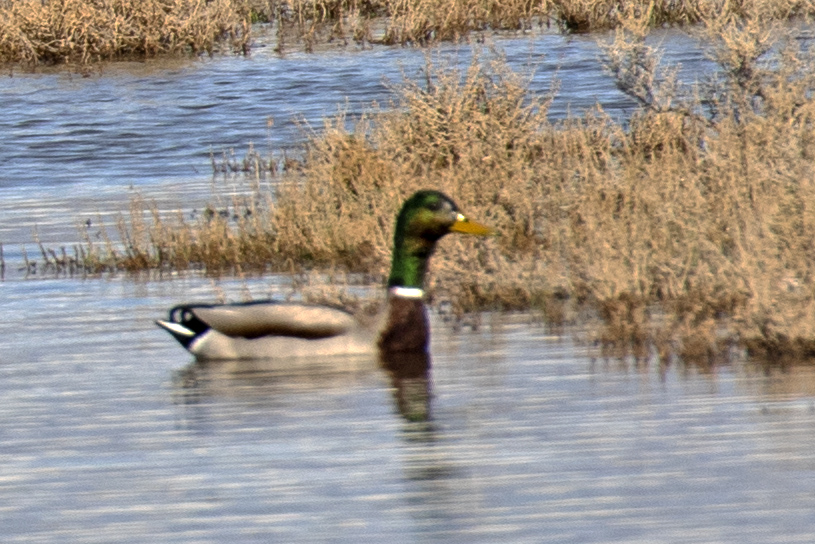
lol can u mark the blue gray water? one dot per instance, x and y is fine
(109, 434)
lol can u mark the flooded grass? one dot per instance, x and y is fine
(686, 230)
(75, 31)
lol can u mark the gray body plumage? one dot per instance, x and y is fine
(264, 330)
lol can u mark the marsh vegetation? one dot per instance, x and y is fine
(687, 228)
(36, 32)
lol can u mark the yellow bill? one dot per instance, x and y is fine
(466, 226)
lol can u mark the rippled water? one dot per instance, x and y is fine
(109, 434)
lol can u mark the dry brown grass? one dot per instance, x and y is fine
(592, 15)
(35, 32)
(426, 21)
(688, 230)
(423, 21)
(83, 31)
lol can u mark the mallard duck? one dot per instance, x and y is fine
(268, 329)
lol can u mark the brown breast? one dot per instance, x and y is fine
(406, 327)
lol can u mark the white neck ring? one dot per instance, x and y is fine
(406, 292)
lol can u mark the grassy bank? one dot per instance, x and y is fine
(83, 31)
(688, 230)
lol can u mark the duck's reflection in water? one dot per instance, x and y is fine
(410, 377)
(408, 374)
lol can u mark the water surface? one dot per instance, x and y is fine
(109, 434)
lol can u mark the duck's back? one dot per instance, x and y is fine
(254, 320)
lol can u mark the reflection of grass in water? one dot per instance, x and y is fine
(687, 230)
(35, 31)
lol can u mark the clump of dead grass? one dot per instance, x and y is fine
(427, 21)
(594, 15)
(423, 21)
(37, 32)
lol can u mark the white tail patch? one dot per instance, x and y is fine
(176, 328)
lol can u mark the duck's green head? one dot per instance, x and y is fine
(425, 217)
